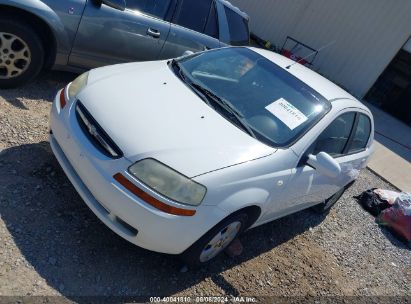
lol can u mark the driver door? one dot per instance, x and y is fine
(107, 35)
(345, 139)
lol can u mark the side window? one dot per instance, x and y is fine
(361, 135)
(193, 14)
(238, 27)
(335, 137)
(211, 28)
(156, 8)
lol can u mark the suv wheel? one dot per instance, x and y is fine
(21, 53)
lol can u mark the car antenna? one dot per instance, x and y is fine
(317, 51)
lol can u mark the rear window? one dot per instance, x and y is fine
(238, 27)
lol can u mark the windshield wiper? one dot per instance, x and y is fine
(226, 105)
(176, 66)
(222, 102)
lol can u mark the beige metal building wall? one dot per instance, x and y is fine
(367, 33)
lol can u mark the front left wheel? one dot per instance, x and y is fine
(21, 53)
(215, 241)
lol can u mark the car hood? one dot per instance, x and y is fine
(149, 112)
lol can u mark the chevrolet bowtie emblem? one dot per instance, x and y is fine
(93, 131)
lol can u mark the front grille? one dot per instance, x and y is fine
(97, 136)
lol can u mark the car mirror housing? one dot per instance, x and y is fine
(324, 164)
(117, 4)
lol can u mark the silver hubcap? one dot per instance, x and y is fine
(220, 241)
(15, 56)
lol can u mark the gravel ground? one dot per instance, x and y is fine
(51, 244)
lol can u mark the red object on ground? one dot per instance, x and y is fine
(398, 217)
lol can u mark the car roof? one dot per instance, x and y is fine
(234, 8)
(323, 86)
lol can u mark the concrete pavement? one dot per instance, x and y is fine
(392, 158)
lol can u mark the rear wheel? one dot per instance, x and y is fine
(328, 203)
(21, 53)
(215, 241)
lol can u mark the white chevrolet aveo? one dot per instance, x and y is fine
(181, 156)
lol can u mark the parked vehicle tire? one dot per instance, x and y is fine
(328, 203)
(21, 53)
(215, 241)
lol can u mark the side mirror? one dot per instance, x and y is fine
(117, 4)
(188, 53)
(324, 164)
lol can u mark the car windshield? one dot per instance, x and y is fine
(254, 93)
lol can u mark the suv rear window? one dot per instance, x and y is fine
(211, 28)
(238, 26)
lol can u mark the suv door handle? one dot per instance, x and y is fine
(153, 33)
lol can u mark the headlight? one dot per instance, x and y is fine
(168, 182)
(77, 85)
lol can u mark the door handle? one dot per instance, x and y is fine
(153, 33)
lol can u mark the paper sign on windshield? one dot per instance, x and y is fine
(287, 113)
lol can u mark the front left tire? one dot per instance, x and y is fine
(215, 241)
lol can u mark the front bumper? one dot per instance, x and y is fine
(91, 173)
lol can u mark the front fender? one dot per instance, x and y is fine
(43, 11)
(253, 196)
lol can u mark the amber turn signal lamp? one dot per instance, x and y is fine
(62, 99)
(151, 200)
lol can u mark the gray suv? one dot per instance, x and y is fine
(76, 35)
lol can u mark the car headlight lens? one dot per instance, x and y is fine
(77, 85)
(168, 182)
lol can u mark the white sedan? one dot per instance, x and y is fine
(181, 156)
